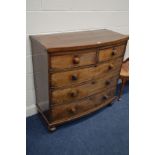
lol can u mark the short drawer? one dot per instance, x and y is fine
(61, 79)
(80, 58)
(71, 94)
(67, 111)
(111, 53)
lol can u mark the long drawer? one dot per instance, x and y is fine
(68, 78)
(73, 93)
(78, 108)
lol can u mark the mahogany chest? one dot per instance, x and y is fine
(76, 73)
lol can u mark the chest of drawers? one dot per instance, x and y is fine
(75, 73)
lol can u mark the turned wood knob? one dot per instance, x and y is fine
(93, 82)
(76, 60)
(73, 110)
(74, 77)
(111, 66)
(105, 97)
(107, 82)
(114, 52)
(74, 93)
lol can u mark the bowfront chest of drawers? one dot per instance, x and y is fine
(76, 73)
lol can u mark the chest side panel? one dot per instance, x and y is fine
(40, 71)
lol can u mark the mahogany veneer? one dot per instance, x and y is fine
(76, 73)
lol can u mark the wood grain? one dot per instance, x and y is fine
(73, 109)
(76, 73)
(111, 53)
(86, 58)
(62, 79)
(79, 40)
(63, 96)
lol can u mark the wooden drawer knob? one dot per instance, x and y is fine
(74, 93)
(114, 52)
(111, 66)
(105, 97)
(76, 60)
(73, 110)
(74, 77)
(93, 82)
(107, 82)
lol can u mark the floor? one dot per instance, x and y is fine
(105, 132)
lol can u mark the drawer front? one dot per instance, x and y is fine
(110, 53)
(73, 60)
(71, 94)
(61, 79)
(78, 108)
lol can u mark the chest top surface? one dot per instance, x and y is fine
(79, 40)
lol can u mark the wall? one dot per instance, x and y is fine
(54, 16)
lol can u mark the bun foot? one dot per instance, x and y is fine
(52, 129)
(119, 99)
(110, 104)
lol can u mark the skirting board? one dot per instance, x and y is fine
(31, 110)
